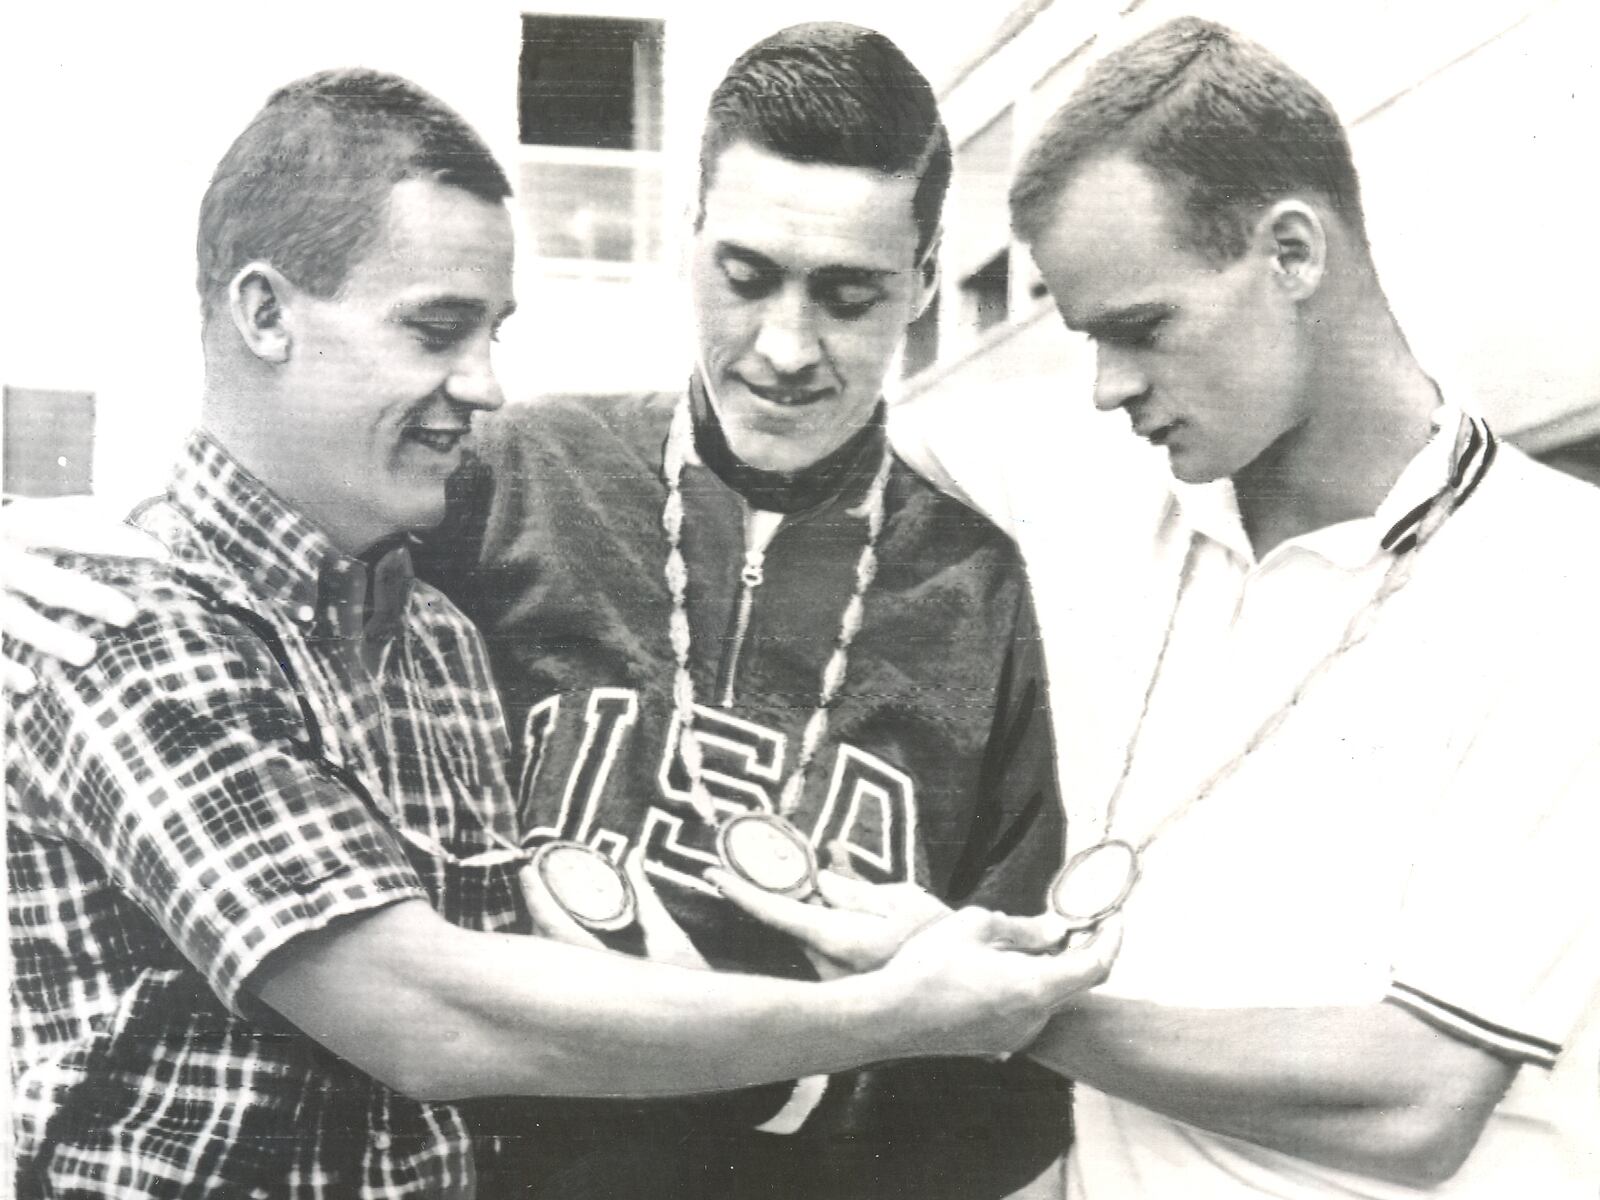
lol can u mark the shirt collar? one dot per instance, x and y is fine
(1211, 510)
(285, 555)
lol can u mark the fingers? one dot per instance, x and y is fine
(1082, 965)
(16, 678)
(664, 939)
(901, 906)
(550, 919)
(24, 623)
(790, 916)
(840, 861)
(1042, 934)
(78, 524)
(51, 586)
(849, 891)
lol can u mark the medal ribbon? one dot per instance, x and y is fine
(871, 510)
(1472, 438)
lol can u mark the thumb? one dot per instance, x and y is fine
(1083, 964)
(550, 917)
(664, 939)
(1042, 934)
(840, 861)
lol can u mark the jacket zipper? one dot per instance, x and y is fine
(750, 577)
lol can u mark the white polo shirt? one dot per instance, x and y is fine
(1421, 829)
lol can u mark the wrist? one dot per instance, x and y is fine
(873, 1017)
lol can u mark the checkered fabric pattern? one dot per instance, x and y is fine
(228, 774)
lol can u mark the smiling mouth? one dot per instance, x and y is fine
(441, 440)
(787, 397)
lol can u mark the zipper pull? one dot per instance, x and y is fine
(752, 574)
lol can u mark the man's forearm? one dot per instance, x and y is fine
(1369, 1089)
(443, 1013)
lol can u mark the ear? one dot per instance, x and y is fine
(258, 298)
(1296, 240)
(928, 276)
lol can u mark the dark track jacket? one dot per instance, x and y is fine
(939, 761)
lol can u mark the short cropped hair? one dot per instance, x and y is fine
(828, 92)
(306, 186)
(1220, 121)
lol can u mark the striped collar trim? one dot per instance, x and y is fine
(1462, 445)
(1477, 449)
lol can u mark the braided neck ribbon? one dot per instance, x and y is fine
(1097, 881)
(680, 441)
(1440, 506)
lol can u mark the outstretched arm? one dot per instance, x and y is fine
(1371, 1089)
(439, 1012)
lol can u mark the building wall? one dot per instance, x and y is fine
(1473, 126)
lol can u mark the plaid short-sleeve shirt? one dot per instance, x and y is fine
(253, 758)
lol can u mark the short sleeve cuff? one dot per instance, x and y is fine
(1499, 1040)
(247, 923)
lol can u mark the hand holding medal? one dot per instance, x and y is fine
(770, 853)
(1094, 884)
(587, 885)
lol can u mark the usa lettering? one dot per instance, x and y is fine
(869, 809)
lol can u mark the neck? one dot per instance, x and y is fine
(236, 418)
(1370, 409)
(778, 491)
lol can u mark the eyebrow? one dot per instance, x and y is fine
(832, 275)
(454, 306)
(1122, 321)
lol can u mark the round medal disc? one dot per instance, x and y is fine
(1095, 883)
(595, 893)
(769, 852)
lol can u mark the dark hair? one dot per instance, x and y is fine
(827, 92)
(1222, 122)
(306, 185)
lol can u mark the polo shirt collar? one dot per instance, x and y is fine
(1211, 510)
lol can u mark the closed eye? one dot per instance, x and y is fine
(848, 301)
(749, 280)
(438, 336)
(1134, 331)
(1136, 337)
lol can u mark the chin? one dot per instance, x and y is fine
(421, 516)
(783, 459)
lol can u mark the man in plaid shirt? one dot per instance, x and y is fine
(263, 858)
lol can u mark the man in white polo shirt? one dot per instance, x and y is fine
(1331, 676)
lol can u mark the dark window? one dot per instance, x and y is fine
(49, 442)
(590, 81)
(986, 292)
(922, 340)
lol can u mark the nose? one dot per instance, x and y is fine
(1117, 379)
(788, 339)
(473, 381)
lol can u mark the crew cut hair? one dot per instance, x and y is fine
(1223, 123)
(833, 93)
(306, 186)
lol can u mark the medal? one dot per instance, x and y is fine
(768, 851)
(1095, 883)
(587, 884)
